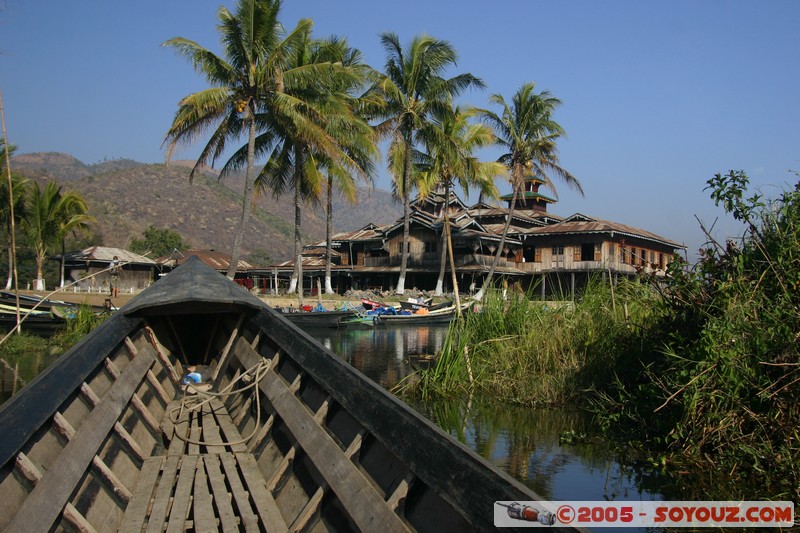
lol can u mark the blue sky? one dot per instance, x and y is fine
(657, 96)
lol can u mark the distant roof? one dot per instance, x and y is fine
(212, 258)
(582, 224)
(104, 253)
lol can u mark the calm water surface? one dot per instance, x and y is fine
(527, 443)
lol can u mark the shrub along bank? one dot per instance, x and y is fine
(704, 364)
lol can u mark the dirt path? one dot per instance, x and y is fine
(122, 299)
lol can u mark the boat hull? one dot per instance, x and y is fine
(108, 437)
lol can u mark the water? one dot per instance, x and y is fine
(556, 452)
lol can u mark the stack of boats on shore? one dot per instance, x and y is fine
(39, 316)
(372, 313)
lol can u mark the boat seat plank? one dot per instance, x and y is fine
(222, 498)
(265, 503)
(136, 512)
(232, 434)
(363, 502)
(203, 511)
(240, 495)
(183, 495)
(209, 491)
(158, 515)
(210, 430)
(51, 494)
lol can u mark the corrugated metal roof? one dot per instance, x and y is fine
(105, 253)
(214, 259)
(579, 223)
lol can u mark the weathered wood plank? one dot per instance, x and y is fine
(224, 359)
(183, 495)
(203, 510)
(47, 500)
(227, 426)
(20, 420)
(195, 432)
(265, 503)
(211, 435)
(365, 505)
(77, 520)
(240, 495)
(159, 513)
(136, 512)
(65, 429)
(173, 374)
(222, 498)
(180, 429)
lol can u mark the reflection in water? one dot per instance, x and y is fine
(381, 352)
(526, 443)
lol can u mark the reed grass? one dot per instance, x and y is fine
(535, 353)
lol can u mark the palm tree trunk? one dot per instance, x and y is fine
(488, 281)
(328, 231)
(442, 264)
(401, 282)
(456, 297)
(297, 272)
(39, 285)
(63, 253)
(248, 193)
(443, 259)
(10, 277)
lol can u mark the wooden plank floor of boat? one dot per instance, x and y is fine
(205, 481)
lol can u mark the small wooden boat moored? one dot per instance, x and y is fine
(287, 436)
(317, 319)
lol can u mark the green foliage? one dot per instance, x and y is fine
(158, 242)
(532, 353)
(260, 257)
(726, 383)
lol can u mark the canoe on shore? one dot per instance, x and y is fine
(317, 319)
(288, 437)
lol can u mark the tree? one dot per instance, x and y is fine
(158, 242)
(19, 187)
(412, 88)
(249, 80)
(326, 139)
(51, 215)
(528, 133)
(450, 140)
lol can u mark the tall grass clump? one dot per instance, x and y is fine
(535, 353)
(724, 390)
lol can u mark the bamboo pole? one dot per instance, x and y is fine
(18, 329)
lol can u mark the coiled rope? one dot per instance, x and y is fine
(251, 377)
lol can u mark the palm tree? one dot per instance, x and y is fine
(328, 140)
(412, 88)
(528, 133)
(51, 215)
(450, 140)
(247, 81)
(19, 188)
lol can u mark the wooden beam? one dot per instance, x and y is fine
(173, 374)
(51, 494)
(136, 511)
(265, 503)
(357, 494)
(224, 359)
(183, 495)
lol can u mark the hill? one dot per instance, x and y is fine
(126, 197)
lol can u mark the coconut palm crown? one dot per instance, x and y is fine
(528, 133)
(412, 87)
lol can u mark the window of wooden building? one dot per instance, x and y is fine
(558, 251)
(587, 252)
(430, 247)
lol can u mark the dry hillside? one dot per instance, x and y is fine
(126, 197)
